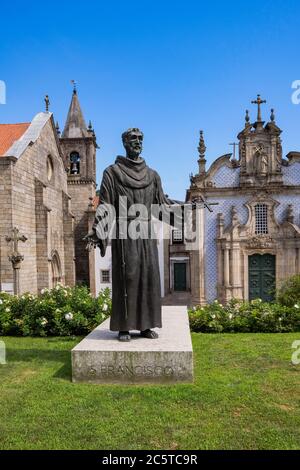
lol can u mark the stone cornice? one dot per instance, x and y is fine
(293, 157)
(81, 181)
(8, 159)
(243, 191)
(77, 140)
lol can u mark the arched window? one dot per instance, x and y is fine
(56, 269)
(49, 167)
(261, 219)
(74, 163)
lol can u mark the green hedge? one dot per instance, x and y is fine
(245, 317)
(61, 311)
(66, 311)
(289, 293)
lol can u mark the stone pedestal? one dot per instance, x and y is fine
(101, 359)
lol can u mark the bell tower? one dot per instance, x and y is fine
(78, 143)
(260, 151)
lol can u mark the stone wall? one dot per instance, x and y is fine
(37, 209)
(81, 194)
(6, 169)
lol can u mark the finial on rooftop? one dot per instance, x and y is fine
(57, 128)
(247, 117)
(259, 102)
(234, 145)
(90, 127)
(74, 87)
(201, 150)
(272, 115)
(201, 147)
(47, 103)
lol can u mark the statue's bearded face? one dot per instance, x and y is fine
(134, 144)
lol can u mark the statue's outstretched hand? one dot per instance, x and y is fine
(93, 241)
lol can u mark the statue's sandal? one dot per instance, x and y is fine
(150, 334)
(124, 336)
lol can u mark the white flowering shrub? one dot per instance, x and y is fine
(61, 311)
(245, 317)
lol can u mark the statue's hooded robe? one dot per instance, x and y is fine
(135, 268)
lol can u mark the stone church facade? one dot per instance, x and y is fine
(250, 242)
(47, 189)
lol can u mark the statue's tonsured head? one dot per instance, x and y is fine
(133, 142)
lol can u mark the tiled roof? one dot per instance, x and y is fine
(9, 133)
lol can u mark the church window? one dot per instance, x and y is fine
(177, 232)
(56, 269)
(261, 219)
(49, 168)
(74, 163)
(105, 276)
(177, 236)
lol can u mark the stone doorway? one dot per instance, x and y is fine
(180, 277)
(262, 277)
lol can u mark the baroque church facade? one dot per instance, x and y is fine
(250, 242)
(47, 193)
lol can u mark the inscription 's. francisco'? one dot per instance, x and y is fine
(147, 370)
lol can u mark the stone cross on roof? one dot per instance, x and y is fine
(47, 103)
(259, 102)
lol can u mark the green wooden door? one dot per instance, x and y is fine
(262, 277)
(180, 276)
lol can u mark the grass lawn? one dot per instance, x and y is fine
(246, 396)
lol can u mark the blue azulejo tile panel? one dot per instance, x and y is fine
(226, 177)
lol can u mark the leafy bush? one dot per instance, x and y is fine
(61, 311)
(289, 293)
(245, 317)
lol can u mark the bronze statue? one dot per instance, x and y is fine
(136, 293)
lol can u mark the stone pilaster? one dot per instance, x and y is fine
(69, 246)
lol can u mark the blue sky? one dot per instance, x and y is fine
(168, 67)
